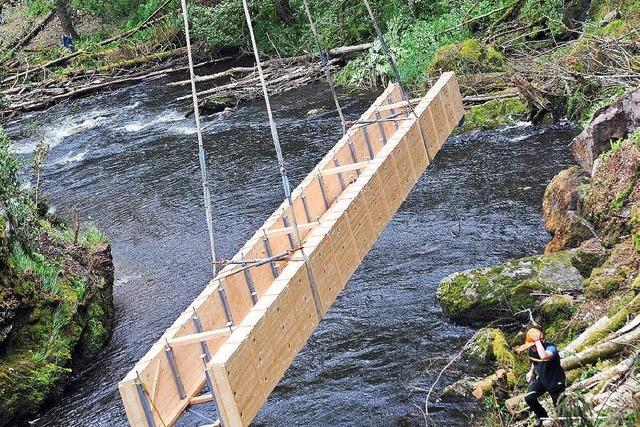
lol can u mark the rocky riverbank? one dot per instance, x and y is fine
(584, 291)
(56, 305)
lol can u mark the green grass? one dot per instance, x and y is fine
(91, 238)
(80, 286)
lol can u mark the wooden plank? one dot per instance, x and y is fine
(198, 337)
(345, 168)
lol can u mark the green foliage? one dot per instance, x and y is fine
(468, 56)
(80, 286)
(496, 113)
(36, 264)
(19, 207)
(574, 406)
(91, 238)
(38, 7)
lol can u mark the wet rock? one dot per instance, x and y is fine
(496, 113)
(315, 112)
(613, 122)
(486, 294)
(461, 389)
(217, 104)
(613, 193)
(589, 255)
(560, 210)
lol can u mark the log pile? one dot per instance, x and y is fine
(242, 84)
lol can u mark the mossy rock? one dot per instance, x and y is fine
(617, 272)
(489, 345)
(468, 56)
(560, 204)
(555, 308)
(589, 255)
(496, 113)
(217, 104)
(613, 197)
(480, 295)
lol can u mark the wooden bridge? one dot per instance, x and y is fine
(243, 331)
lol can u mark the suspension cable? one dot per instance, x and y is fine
(201, 153)
(324, 61)
(283, 170)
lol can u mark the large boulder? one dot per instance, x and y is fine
(613, 122)
(486, 294)
(560, 210)
(613, 193)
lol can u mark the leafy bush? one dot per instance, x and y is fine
(91, 237)
(468, 56)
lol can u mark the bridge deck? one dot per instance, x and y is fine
(344, 203)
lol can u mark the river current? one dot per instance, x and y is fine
(128, 161)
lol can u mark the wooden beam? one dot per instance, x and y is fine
(267, 335)
(203, 398)
(398, 105)
(247, 368)
(196, 338)
(345, 168)
(290, 230)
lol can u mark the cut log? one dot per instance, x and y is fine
(606, 375)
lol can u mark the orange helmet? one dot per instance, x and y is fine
(533, 335)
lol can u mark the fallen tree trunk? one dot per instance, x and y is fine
(247, 87)
(30, 35)
(337, 52)
(65, 58)
(52, 96)
(573, 345)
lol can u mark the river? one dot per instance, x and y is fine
(128, 161)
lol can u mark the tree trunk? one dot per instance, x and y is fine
(412, 8)
(65, 18)
(285, 12)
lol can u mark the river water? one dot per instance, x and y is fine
(127, 160)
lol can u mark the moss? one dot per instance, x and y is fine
(468, 56)
(489, 345)
(556, 308)
(622, 197)
(602, 282)
(476, 295)
(501, 350)
(496, 113)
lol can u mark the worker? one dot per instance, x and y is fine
(546, 373)
(67, 42)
